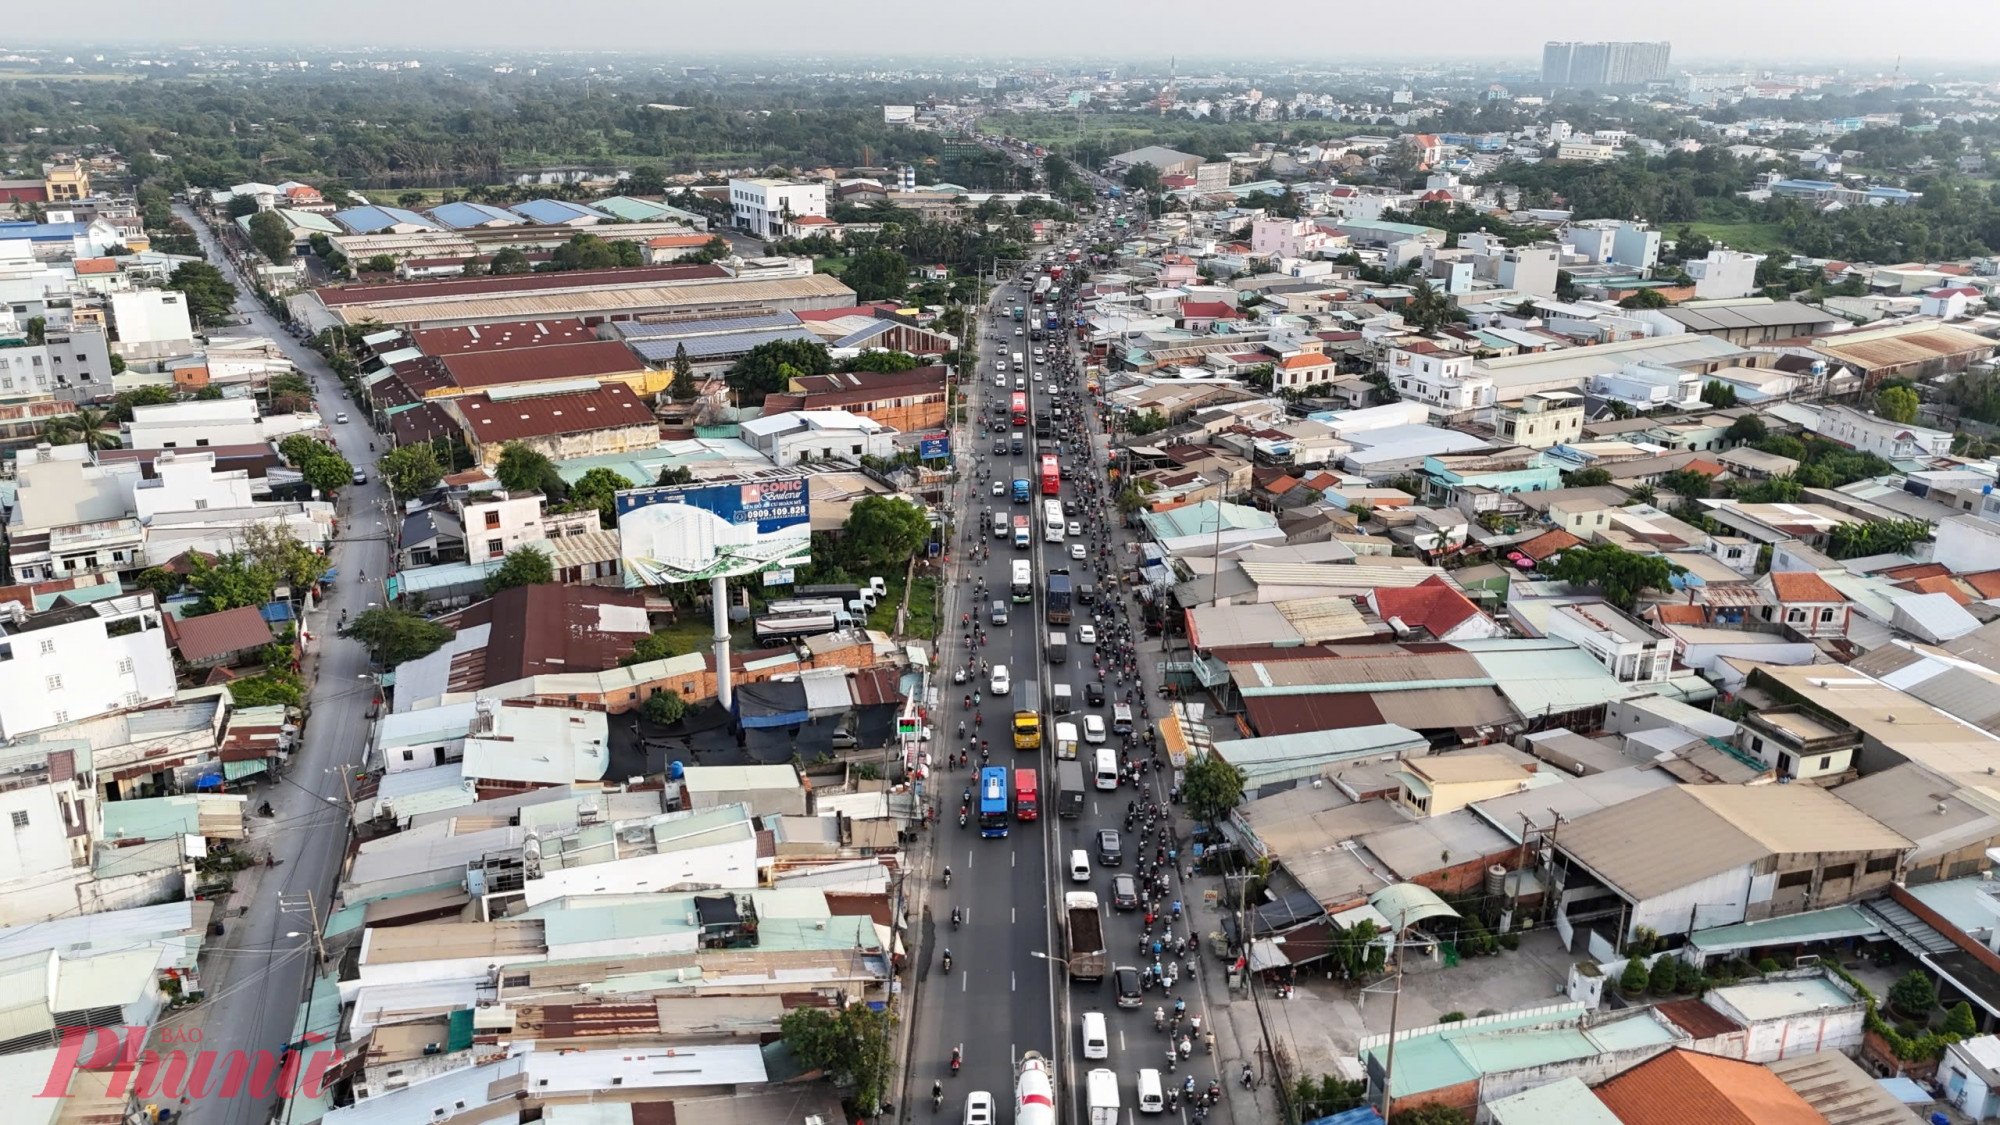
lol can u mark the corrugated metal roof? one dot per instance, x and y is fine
(1567, 1101)
(1658, 843)
(1903, 344)
(704, 326)
(379, 293)
(363, 220)
(1317, 620)
(105, 981)
(1760, 314)
(217, 634)
(460, 214)
(703, 347)
(609, 406)
(550, 212)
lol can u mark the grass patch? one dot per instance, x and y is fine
(833, 265)
(1757, 238)
(694, 633)
(922, 621)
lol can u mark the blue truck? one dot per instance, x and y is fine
(1021, 491)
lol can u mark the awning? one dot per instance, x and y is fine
(236, 771)
(1831, 924)
(1410, 904)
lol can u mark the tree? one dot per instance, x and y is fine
(881, 531)
(880, 360)
(596, 489)
(1770, 490)
(1880, 537)
(1145, 422)
(1211, 788)
(471, 266)
(1959, 1021)
(523, 566)
(275, 547)
(230, 582)
(509, 261)
(162, 582)
(1143, 177)
(646, 179)
(380, 263)
(38, 331)
(1913, 994)
(410, 470)
(521, 469)
(1588, 478)
(651, 647)
(1645, 299)
(271, 237)
(240, 205)
(877, 274)
(1429, 309)
(675, 474)
(394, 636)
(1134, 496)
(1619, 573)
(1686, 484)
(317, 463)
(1635, 978)
(210, 297)
(1747, 430)
(664, 708)
(683, 387)
(850, 1047)
(1718, 394)
(769, 368)
(1897, 404)
(93, 429)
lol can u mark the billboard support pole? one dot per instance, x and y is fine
(718, 593)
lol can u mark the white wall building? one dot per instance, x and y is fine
(72, 663)
(47, 852)
(1439, 378)
(1626, 243)
(152, 323)
(1645, 386)
(1966, 544)
(188, 482)
(497, 522)
(818, 435)
(221, 421)
(1872, 433)
(1632, 652)
(763, 207)
(1724, 274)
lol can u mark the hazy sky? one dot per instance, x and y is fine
(1870, 33)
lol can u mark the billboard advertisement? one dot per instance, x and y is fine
(933, 446)
(719, 528)
(898, 114)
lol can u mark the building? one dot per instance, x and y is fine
(1804, 603)
(1970, 1073)
(66, 183)
(1798, 744)
(1443, 783)
(818, 435)
(1605, 64)
(197, 423)
(1168, 161)
(1871, 433)
(906, 401)
(70, 366)
(1586, 149)
(1544, 418)
(560, 421)
(764, 207)
(1752, 320)
(1683, 1086)
(1423, 372)
(1724, 274)
(1632, 652)
(152, 324)
(1613, 241)
(76, 662)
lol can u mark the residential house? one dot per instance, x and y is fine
(76, 662)
(493, 523)
(1798, 744)
(512, 747)
(1443, 783)
(1724, 274)
(818, 435)
(1434, 607)
(45, 794)
(1952, 827)
(223, 639)
(1424, 372)
(1303, 369)
(905, 401)
(1632, 652)
(1804, 603)
(1870, 433)
(1544, 418)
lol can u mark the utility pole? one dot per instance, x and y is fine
(291, 904)
(1395, 1007)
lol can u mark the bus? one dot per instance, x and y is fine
(1053, 523)
(1020, 408)
(1023, 586)
(993, 801)
(1024, 794)
(1051, 475)
(1042, 286)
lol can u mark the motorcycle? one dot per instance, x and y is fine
(954, 917)
(961, 817)
(947, 960)
(957, 1058)
(947, 881)
(1187, 1048)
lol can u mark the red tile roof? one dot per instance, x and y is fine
(1987, 582)
(1548, 544)
(1214, 310)
(1681, 1086)
(219, 634)
(1802, 586)
(610, 406)
(1303, 360)
(87, 266)
(1431, 604)
(539, 630)
(1705, 468)
(1679, 614)
(1915, 570)
(1939, 584)
(669, 241)
(541, 365)
(1697, 1019)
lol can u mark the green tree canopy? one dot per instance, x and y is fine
(396, 635)
(1645, 299)
(683, 387)
(317, 462)
(522, 469)
(1211, 788)
(508, 261)
(590, 252)
(762, 370)
(96, 429)
(232, 581)
(881, 531)
(523, 566)
(851, 1046)
(1897, 404)
(1719, 394)
(664, 708)
(1585, 478)
(1747, 430)
(877, 274)
(411, 470)
(271, 237)
(652, 646)
(1143, 177)
(1145, 422)
(1620, 574)
(646, 179)
(880, 360)
(211, 299)
(1877, 537)
(276, 549)
(596, 489)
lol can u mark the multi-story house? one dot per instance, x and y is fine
(75, 662)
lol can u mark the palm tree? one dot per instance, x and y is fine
(1641, 495)
(93, 429)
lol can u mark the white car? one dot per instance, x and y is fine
(1000, 380)
(1018, 332)
(1020, 384)
(1076, 551)
(978, 1108)
(1075, 528)
(999, 489)
(1002, 683)
(1079, 866)
(1038, 375)
(1086, 634)
(1093, 728)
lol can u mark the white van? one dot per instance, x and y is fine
(1101, 1088)
(1150, 1097)
(1017, 359)
(1096, 1041)
(1079, 866)
(1107, 768)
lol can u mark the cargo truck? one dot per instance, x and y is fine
(1069, 786)
(1101, 1095)
(1061, 699)
(1058, 599)
(1021, 494)
(1034, 1091)
(1058, 647)
(1066, 741)
(1028, 720)
(1083, 928)
(1021, 539)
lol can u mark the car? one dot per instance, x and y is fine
(1110, 849)
(979, 1108)
(1124, 892)
(999, 365)
(1093, 726)
(1075, 527)
(999, 489)
(341, 418)
(1038, 375)
(1020, 384)
(1093, 693)
(360, 477)
(1018, 332)
(1076, 551)
(1079, 866)
(1086, 634)
(1000, 380)
(1002, 683)
(1129, 993)
(999, 448)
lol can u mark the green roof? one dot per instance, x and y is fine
(151, 818)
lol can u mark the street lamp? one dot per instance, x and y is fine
(1036, 953)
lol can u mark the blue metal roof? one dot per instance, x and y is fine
(363, 220)
(701, 347)
(461, 214)
(632, 331)
(552, 212)
(43, 232)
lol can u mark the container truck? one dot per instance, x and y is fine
(1058, 599)
(1083, 928)
(1058, 647)
(1028, 720)
(772, 628)
(1069, 786)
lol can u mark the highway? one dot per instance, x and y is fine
(1000, 998)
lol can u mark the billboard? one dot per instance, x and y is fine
(719, 528)
(933, 446)
(898, 114)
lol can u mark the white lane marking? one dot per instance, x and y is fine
(1013, 985)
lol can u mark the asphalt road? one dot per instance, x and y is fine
(999, 999)
(256, 973)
